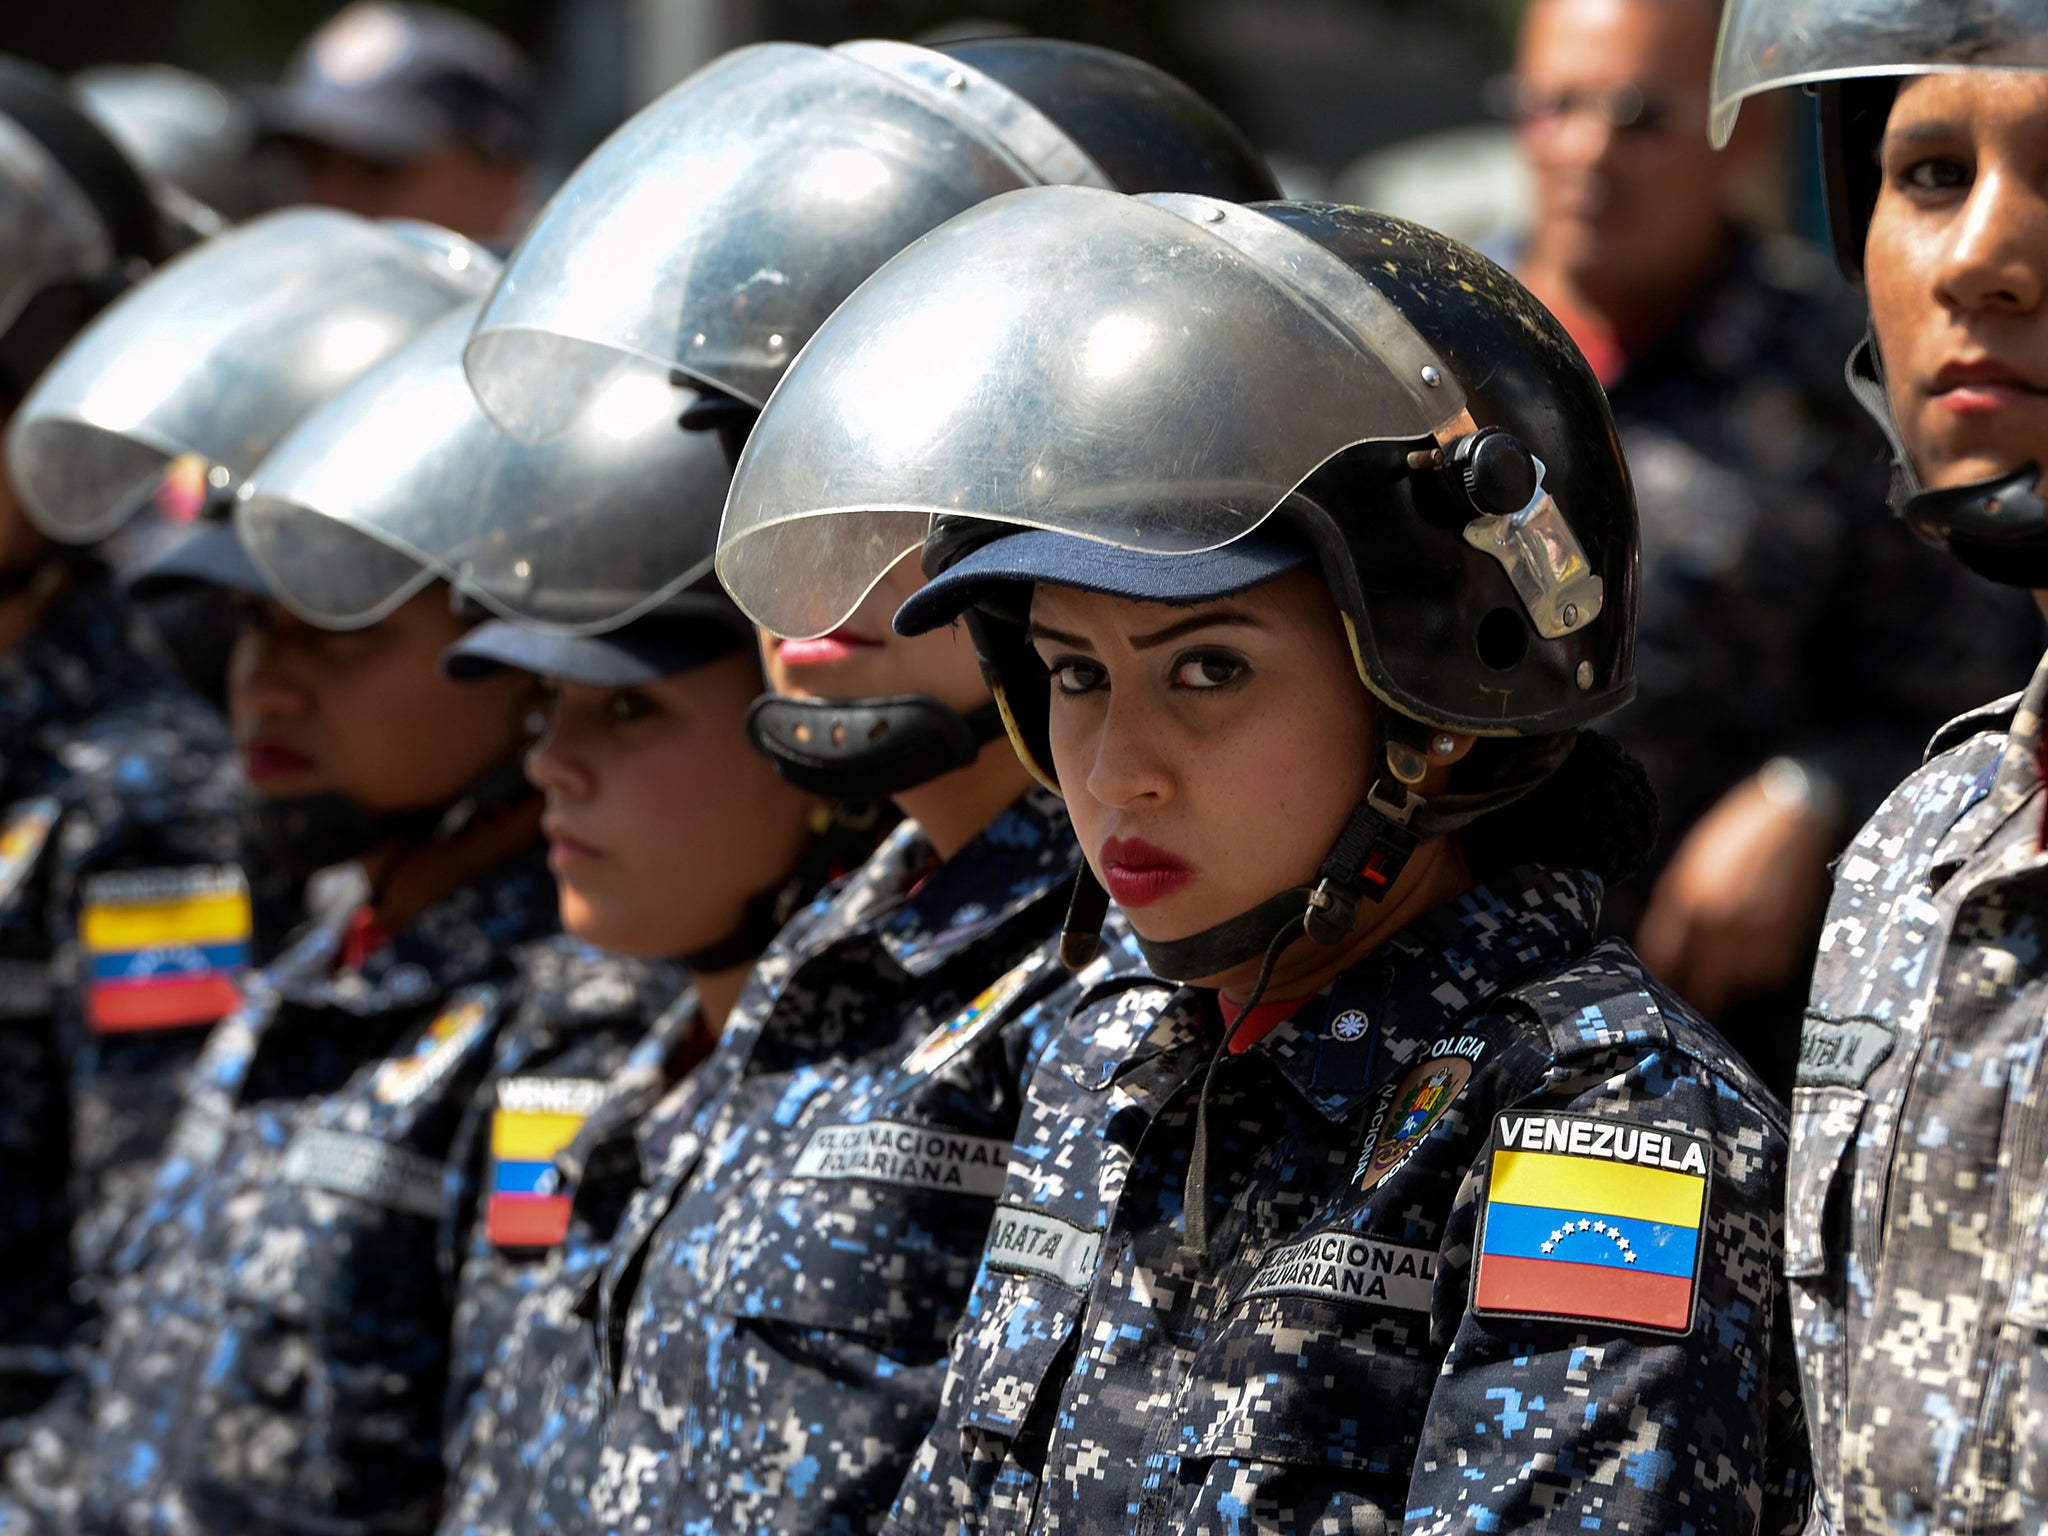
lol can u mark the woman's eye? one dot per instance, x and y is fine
(1936, 174)
(1207, 671)
(629, 706)
(1074, 677)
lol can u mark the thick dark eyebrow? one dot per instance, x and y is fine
(1923, 133)
(1158, 637)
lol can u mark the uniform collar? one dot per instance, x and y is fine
(1425, 981)
(461, 937)
(2013, 782)
(928, 913)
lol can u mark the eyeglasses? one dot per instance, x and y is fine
(1627, 106)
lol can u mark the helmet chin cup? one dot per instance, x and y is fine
(867, 749)
(1997, 527)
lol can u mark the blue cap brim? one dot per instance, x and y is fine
(1033, 556)
(642, 652)
(211, 556)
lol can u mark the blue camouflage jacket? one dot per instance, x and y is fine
(582, 1033)
(1917, 1209)
(118, 789)
(773, 1318)
(277, 1335)
(1493, 1246)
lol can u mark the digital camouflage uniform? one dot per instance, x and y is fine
(1353, 1358)
(276, 1345)
(108, 766)
(1785, 611)
(574, 1041)
(773, 1317)
(538, 1401)
(1914, 1222)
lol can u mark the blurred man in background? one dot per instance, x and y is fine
(1798, 646)
(411, 111)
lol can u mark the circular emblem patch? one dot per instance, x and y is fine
(1350, 1025)
(1425, 1093)
(960, 1031)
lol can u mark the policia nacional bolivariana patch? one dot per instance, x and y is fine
(1592, 1220)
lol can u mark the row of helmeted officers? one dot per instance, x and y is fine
(908, 837)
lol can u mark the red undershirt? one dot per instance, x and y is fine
(1247, 1030)
(363, 937)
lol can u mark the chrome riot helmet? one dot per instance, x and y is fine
(1853, 54)
(402, 480)
(194, 138)
(1164, 376)
(715, 231)
(77, 222)
(222, 351)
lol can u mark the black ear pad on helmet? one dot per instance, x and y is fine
(1852, 118)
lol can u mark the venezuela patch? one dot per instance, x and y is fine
(164, 948)
(973, 1021)
(535, 1119)
(1591, 1220)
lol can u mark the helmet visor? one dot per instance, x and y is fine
(403, 478)
(1767, 44)
(221, 351)
(717, 229)
(1157, 373)
(49, 232)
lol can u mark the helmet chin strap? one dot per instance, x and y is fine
(314, 832)
(867, 749)
(1997, 527)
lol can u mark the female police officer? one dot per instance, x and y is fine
(1914, 1214)
(124, 860)
(277, 1321)
(776, 1306)
(1297, 546)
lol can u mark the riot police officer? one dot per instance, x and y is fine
(1314, 560)
(1913, 1236)
(277, 1321)
(128, 855)
(776, 1304)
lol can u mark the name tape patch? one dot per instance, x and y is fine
(1033, 1243)
(365, 1169)
(1591, 1220)
(913, 1156)
(1842, 1053)
(1345, 1266)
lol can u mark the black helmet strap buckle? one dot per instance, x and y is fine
(1997, 527)
(867, 749)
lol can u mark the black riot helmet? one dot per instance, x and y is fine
(716, 231)
(1169, 385)
(77, 222)
(1852, 54)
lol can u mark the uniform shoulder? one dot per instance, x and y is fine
(1606, 1003)
(1987, 719)
(151, 735)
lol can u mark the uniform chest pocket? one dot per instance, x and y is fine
(885, 1261)
(1311, 1382)
(1817, 1196)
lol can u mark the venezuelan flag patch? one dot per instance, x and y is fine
(164, 948)
(535, 1119)
(1591, 1220)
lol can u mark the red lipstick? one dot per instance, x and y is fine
(837, 646)
(1137, 873)
(264, 760)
